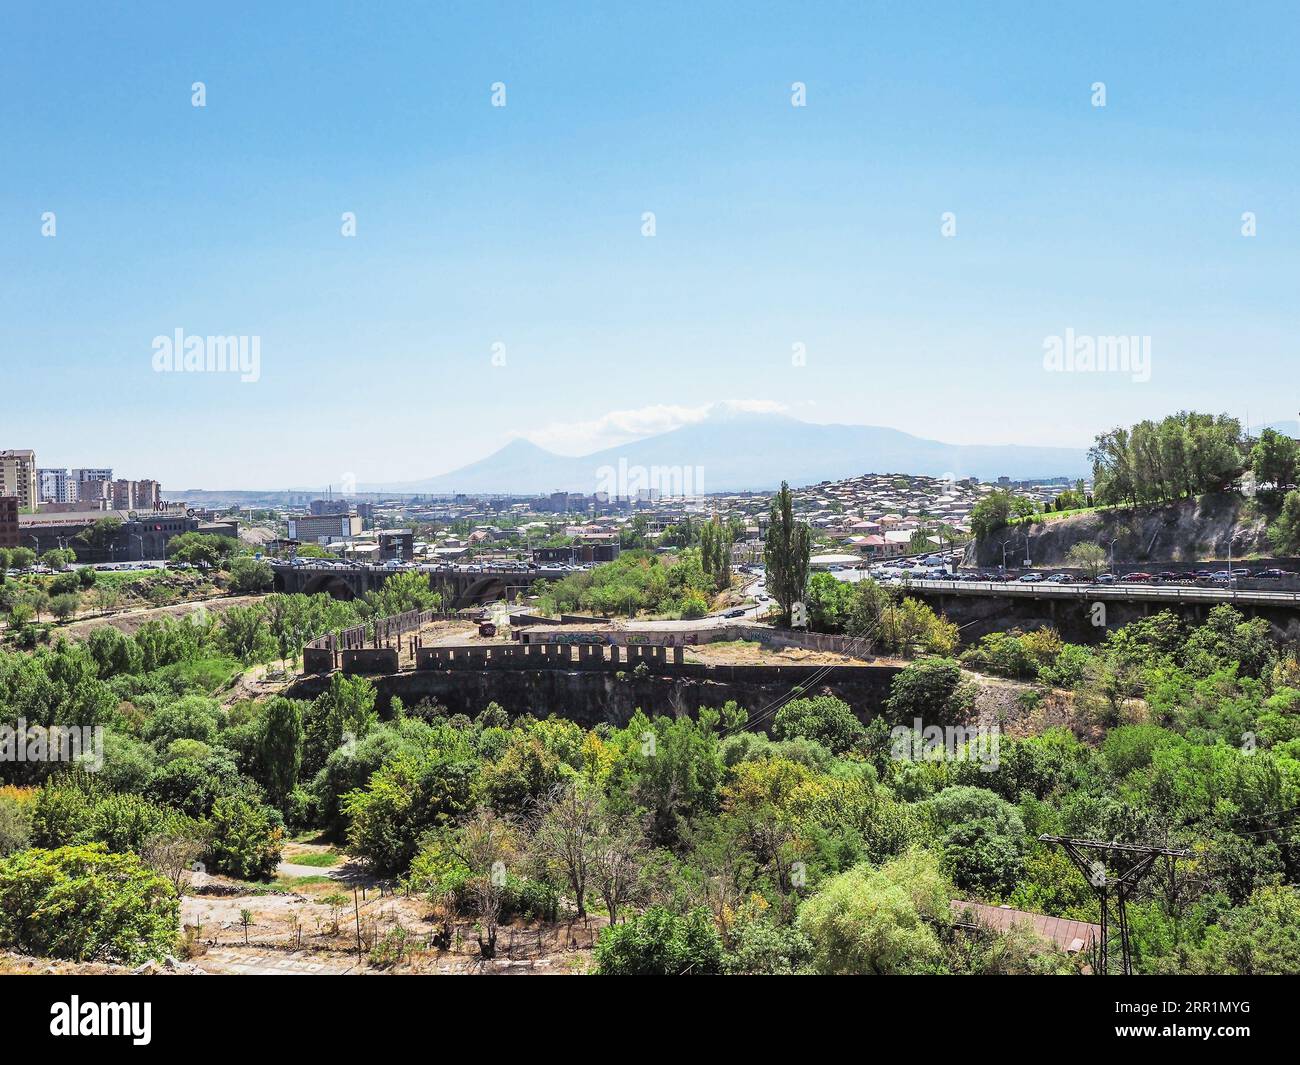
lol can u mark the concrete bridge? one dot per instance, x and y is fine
(459, 586)
(980, 607)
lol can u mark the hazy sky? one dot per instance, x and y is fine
(522, 225)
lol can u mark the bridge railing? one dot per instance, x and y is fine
(1180, 593)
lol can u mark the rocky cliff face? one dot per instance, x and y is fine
(1190, 531)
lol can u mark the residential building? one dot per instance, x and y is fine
(55, 486)
(91, 485)
(9, 534)
(148, 495)
(123, 497)
(323, 507)
(89, 473)
(18, 478)
(397, 544)
(324, 529)
(96, 492)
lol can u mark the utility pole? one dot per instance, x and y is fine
(1131, 862)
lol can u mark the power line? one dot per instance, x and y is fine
(773, 707)
(1094, 859)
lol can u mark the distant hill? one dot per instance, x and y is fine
(738, 451)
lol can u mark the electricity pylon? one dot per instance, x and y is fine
(1132, 861)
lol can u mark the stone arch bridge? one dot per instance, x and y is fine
(466, 588)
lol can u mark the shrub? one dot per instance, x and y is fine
(85, 904)
(660, 943)
(879, 921)
(932, 690)
(245, 841)
(826, 720)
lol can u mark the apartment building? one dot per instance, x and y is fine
(91, 485)
(9, 534)
(148, 495)
(18, 477)
(95, 494)
(324, 529)
(55, 486)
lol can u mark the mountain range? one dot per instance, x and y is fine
(733, 451)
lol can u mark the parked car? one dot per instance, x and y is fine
(1270, 574)
(1106, 578)
(1060, 578)
(1136, 578)
(1030, 578)
(739, 612)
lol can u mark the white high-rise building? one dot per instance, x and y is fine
(55, 486)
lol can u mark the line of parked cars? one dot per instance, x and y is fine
(1191, 578)
(1199, 578)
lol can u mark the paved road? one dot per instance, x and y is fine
(1174, 593)
(753, 589)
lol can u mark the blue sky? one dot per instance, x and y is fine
(522, 225)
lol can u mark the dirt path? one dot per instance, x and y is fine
(258, 682)
(129, 621)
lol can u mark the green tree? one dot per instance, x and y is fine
(830, 603)
(990, 514)
(244, 841)
(22, 558)
(409, 795)
(65, 606)
(279, 747)
(243, 629)
(345, 710)
(983, 838)
(103, 532)
(661, 943)
(786, 553)
(825, 719)
(933, 691)
(1262, 938)
(248, 575)
(1089, 557)
(879, 921)
(1284, 532)
(85, 904)
(403, 591)
(1273, 459)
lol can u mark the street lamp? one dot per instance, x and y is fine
(1004, 552)
(1111, 549)
(137, 536)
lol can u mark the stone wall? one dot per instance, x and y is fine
(594, 656)
(590, 696)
